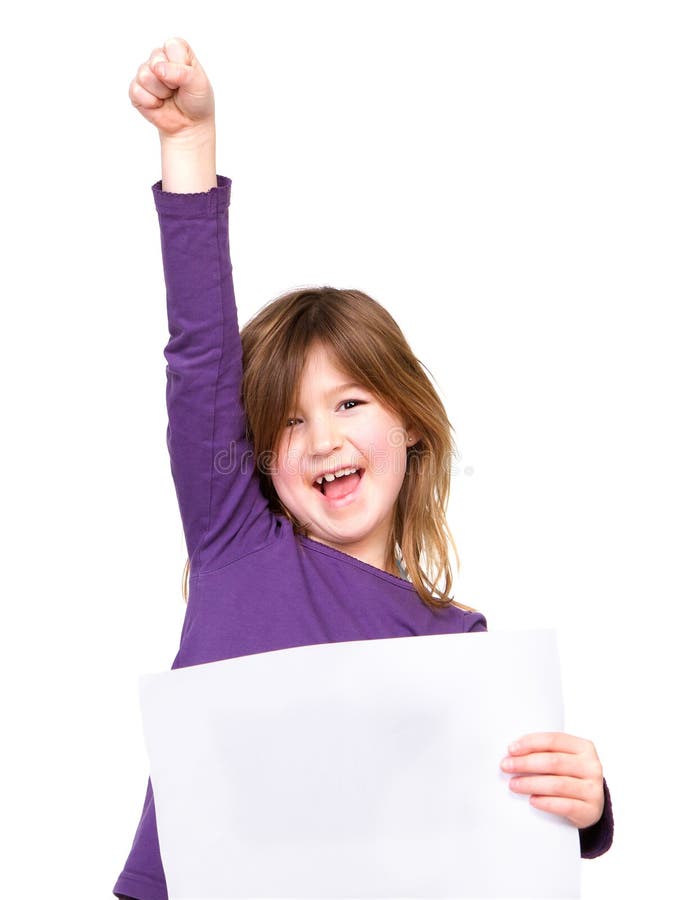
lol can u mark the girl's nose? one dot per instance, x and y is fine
(324, 437)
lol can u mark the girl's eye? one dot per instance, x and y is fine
(355, 402)
(346, 404)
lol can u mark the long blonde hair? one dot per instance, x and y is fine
(366, 342)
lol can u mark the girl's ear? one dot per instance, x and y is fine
(412, 436)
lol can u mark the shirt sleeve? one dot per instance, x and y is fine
(475, 621)
(223, 510)
(598, 838)
(143, 876)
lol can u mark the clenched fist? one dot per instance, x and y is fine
(172, 91)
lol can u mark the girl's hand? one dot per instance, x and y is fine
(172, 91)
(562, 773)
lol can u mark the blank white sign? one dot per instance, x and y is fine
(358, 769)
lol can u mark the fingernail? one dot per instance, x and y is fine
(514, 747)
(160, 69)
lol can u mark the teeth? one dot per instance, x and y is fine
(330, 476)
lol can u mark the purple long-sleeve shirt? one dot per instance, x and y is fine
(254, 586)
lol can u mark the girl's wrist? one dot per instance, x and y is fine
(194, 136)
(188, 161)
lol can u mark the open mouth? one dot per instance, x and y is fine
(335, 486)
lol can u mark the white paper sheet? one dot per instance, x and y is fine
(365, 769)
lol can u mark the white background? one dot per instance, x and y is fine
(508, 178)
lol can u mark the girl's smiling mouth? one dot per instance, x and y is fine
(339, 487)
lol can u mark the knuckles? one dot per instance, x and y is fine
(557, 762)
(589, 791)
(567, 807)
(596, 769)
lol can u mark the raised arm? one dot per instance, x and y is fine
(223, 511)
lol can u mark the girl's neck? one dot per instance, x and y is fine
(376, 557)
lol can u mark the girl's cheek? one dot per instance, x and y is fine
(287, 458)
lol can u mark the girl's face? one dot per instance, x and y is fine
(339, 426)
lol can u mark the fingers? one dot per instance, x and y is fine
(566, 775)
(549, 764)
(172, 75)
(575, 811)
(148, 77)
(147, 90)
(179, 51)
(175, 64)
(141, 98)
(172, 91)
(554, 753)
(548, 741)
(158, 77)
(554, 786)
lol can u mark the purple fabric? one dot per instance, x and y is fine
(255, 586)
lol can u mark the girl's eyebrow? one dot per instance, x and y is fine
(345, 387)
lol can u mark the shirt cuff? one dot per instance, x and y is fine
(206, 203)
(597, 838)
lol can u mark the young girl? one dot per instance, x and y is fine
(311, 459)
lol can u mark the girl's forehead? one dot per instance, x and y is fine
(321, 365)
(319, 355)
